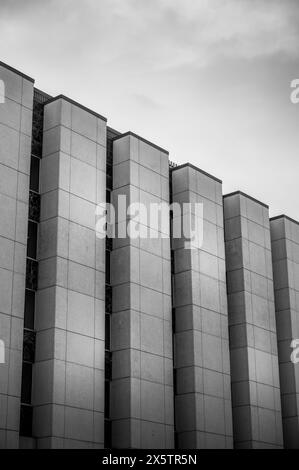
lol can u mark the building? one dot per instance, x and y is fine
(252, 325)
(285, 256)
(135, 342)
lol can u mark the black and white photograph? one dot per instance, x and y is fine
(149, 231)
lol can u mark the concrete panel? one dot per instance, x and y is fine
(252, 328)
(141, 327)
(69, 413)
(203, 401)
(15, 141)
(285, 249)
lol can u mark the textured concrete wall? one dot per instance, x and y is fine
(141, 326)
(285, 255)
(15, 149)
(203, 398)
(68, 374)
(253, 342)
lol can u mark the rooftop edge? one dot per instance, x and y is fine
(75, 103)
(246, 195)
(283, 216)
(197, 169)
(12, 69)
(142, 139)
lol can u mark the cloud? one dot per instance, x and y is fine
(145, 102)
(202, 32)
(158, 33)
(207, 79)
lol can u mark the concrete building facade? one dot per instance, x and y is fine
(68, 373)
(135, 341)
(15, 151)
(285, 255)
(252, 326)
(141, 322)
(202, 367)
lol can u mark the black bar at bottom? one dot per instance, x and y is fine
(137, 458)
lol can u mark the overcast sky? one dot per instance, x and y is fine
(209, 80)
